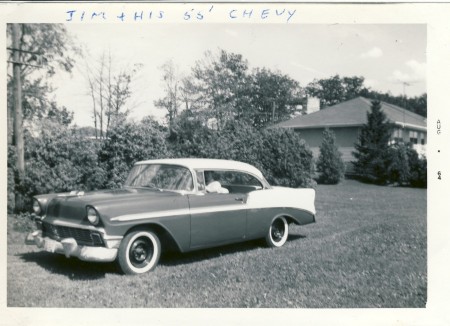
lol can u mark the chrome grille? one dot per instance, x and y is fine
(82, 237)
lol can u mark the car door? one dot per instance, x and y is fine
(217, 218)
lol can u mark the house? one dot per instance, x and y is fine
(346, 120)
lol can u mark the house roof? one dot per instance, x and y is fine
(354, 113)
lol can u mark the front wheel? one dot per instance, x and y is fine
(278, 232)
(139, 252)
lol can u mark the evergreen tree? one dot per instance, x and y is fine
(372, 148)
(330, 162)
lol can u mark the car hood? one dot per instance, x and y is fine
(108, 203)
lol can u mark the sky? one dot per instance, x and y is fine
(387, 56)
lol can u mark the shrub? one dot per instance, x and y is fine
(285, 158)
(23, 222)
(418, 169)
(330, 163)
(58, 159)
(406, 167)
(280, 154)
(236, 141)
(419, 173)
(189, 137)
(398, 165)
(128, 143)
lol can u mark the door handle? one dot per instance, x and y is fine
(241, 199)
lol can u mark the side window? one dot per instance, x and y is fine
(200, 180)
(233, 181)
(249, 180)
(224, 177)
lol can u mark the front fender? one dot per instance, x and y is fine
(170, 214)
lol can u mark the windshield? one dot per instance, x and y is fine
(160, 176)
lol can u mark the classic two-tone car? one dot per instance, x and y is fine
(188, 204)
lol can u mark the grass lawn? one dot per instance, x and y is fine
(367, 249)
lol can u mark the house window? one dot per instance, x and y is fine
(422, 138)
(397, 136)
(413, 135)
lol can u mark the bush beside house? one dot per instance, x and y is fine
(330, 164)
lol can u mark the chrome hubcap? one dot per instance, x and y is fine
(278, 230)
(141, 252)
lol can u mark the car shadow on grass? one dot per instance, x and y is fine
(174, 258)
(73, 268)
(76, 269)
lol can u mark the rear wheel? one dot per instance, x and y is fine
(278, 232)
(139, 252)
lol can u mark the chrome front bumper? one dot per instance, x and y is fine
(70, 248)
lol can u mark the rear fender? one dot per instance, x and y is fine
(299, 199)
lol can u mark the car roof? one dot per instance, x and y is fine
(204, 163)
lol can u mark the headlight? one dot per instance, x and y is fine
(36, 207)
(92, 215)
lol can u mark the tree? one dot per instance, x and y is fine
(372, 148)
(417, 104)
(110, 89)
(61, 115)
(335, 89)
(171, 101)
(272, 97)
(34, 50)
(218, 83)
(41, 51)
(223, 88)
(188, 95)
(353, 86)
(330, 163)
(42, 47)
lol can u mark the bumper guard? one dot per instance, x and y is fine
(70, 248)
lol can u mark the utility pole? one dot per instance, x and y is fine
(404, 101)
(273, 111)
(18, 118)
(18, 59)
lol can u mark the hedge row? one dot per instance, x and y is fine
(60, 159)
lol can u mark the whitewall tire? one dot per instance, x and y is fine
(278, 232)
(139, 252)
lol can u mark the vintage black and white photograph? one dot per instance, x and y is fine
(216, 165)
